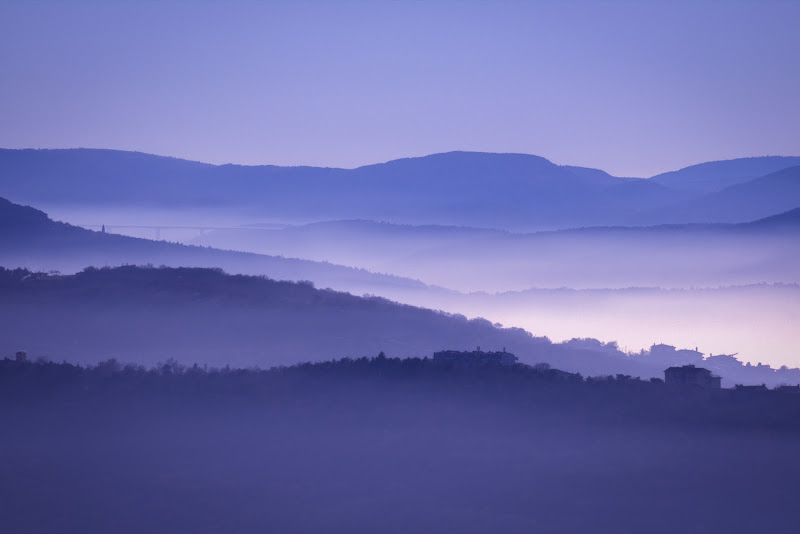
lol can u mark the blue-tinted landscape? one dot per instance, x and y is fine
(399, 267)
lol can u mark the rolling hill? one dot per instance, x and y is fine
(146, 315)
(30, 239)
(514, 191)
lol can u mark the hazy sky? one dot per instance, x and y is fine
(634, 88)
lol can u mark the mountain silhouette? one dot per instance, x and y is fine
(758, 198)
(507, 191)
(717, 175)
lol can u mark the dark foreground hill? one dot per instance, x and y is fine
(386, 445)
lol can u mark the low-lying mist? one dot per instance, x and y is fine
(670, 257)
(759, 323)
(205, 316)
(386, 445)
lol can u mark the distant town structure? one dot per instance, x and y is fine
(670, 355)
(691, 376)
(21, 356)
(475, 358)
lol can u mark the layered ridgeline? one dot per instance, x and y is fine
(147, 315)
(756, 321)
(715, 176)
(667, 256)
(29, 238)
(346, 255)
(510, 191)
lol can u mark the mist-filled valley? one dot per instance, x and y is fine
(519, 267)
(607, 257)
(723, 288)
(148, 315)
(758, 323)
(183, 403)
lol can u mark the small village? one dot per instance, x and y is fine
(688, 376)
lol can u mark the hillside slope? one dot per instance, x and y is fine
(30, 239)
(147, 315)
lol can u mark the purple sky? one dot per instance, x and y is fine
(634, 88)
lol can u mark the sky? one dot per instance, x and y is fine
(634, 88)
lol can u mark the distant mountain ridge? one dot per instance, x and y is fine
(747, 201)
(480, 259)
(348, 255)
(717, 175)
(505, 191)
(788, 217)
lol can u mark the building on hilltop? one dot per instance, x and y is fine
(691, 376)
(668, 354)
(21, 356)
(475, 357)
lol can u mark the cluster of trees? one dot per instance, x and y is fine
(539, 388)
